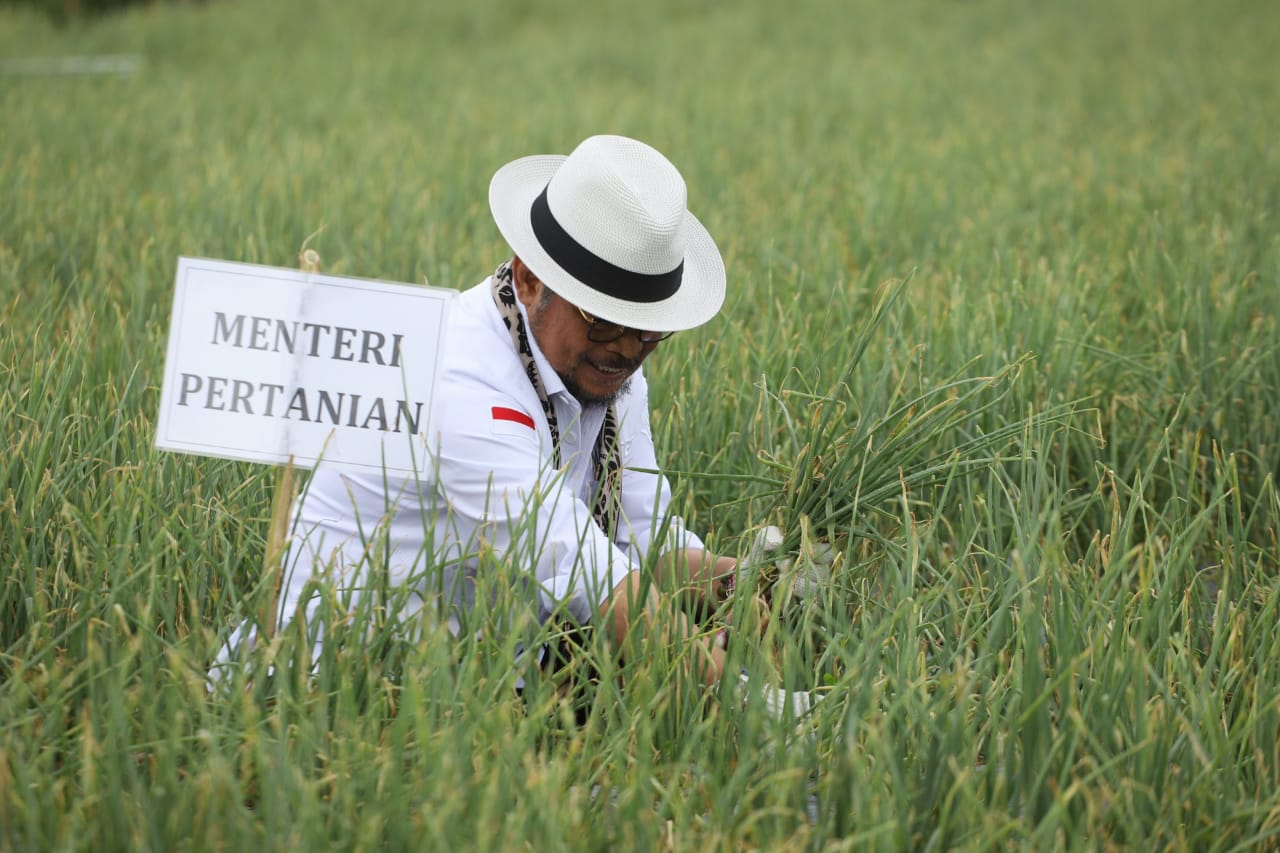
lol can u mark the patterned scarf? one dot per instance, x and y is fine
(606, 457)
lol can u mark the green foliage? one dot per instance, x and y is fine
(1002, 330)
(64, 11)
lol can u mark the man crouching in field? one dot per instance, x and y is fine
(541, 437)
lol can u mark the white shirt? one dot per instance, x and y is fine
(490, 483)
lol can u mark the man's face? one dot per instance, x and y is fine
(592, 372)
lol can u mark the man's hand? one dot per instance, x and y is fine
(708, 577)
(630, 608)
(708, 581)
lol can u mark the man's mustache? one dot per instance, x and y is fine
(617, 364)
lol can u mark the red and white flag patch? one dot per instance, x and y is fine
(507, 421)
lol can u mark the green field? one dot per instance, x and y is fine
(1004, 280)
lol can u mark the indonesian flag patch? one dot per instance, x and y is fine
(507, 421)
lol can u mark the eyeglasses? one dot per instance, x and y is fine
(604, 332)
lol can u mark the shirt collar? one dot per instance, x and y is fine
(551, 380)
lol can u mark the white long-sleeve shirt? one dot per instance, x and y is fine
(490, 483)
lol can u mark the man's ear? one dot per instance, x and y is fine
(528, 286)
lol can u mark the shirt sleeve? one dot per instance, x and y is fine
(497, 478)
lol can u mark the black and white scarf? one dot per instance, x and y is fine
(606, 457)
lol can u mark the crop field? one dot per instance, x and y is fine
(1002, 339)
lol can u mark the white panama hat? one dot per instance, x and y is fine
(607, 229)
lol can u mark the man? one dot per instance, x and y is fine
(541, 444)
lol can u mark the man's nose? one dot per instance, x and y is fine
(629, 345)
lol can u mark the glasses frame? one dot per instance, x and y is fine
(595, 335)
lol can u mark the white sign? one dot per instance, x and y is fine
(266, 363)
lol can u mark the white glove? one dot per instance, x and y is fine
(809, 572)
(766, 543)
